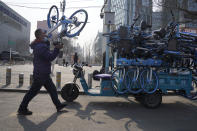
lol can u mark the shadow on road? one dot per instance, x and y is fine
(29, 125)
(169, 116)
(84, 114)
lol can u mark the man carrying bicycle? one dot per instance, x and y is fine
(41, 73)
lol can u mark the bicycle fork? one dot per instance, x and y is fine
(136, 74)
(149, 74)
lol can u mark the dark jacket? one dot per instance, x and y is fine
(42, 59)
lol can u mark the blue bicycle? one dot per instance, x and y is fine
(71, 26)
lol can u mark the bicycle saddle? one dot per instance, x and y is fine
(144, 25)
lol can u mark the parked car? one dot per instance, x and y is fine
(5, 55)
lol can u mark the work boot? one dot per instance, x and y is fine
(59, 108)
(24, 112)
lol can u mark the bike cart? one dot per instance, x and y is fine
(147, 91)
(147, 72)
(140, 69)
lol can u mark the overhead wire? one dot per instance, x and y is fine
(48, 8)
(23, 5)
(29, 3)
(27, 6)
(49, 3)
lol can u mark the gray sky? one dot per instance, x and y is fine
(33, 15)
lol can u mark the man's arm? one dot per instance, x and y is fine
(45, 53)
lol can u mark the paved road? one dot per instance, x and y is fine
(98, 114)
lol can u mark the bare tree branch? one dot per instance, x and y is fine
(189, 12)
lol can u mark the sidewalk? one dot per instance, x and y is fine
(27, 69)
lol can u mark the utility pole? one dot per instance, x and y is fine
(83, 54)
(108, 31)
(89, 55)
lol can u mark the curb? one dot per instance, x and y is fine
(24, 91)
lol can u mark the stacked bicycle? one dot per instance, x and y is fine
(141, 71)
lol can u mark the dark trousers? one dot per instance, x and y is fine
(35, 88)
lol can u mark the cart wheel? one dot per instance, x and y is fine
(70, 92)
(152, 100)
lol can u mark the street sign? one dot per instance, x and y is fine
(11, 42)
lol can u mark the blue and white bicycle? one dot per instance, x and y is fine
(70, 27)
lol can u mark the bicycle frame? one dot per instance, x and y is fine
(62, 23)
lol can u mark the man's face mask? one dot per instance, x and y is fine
(44, 36)
(45, 39)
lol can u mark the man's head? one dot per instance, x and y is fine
(40, 34)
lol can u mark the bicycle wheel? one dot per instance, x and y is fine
(117, 81)
(53, 16)
(149, 81)
(79, 19)
(132, 82)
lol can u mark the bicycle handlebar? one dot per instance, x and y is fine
(135, 20)
(109, 34)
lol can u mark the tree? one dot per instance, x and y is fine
(68, 49)
(180, 6)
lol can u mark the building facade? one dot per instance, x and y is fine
(15, 31)
(126, 11)
(98, 48)
(190, 5)
(42, 24)
(120, 7)
(156, 20)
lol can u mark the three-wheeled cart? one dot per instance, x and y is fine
(146, 85)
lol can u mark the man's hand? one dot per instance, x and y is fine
(59, 46)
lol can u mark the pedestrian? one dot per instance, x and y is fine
(41, 72)
(64, 62)
(75, 58)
